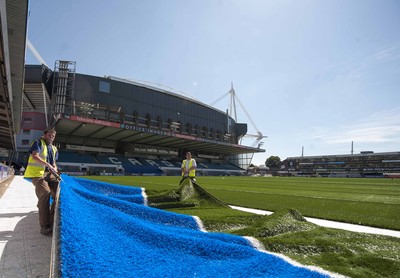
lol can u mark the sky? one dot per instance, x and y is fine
(313, 75)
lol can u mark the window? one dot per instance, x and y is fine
(189, 128)
(204, 132)
(160, 122)
(25, 142)
(148, 120)
(104, 87)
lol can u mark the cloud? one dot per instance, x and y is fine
(388, 53)
(378, 64)
(381, 127)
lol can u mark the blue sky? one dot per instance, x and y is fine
(313, 74)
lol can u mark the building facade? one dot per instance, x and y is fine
(125, 117)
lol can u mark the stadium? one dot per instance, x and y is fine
(114, 126)
(366, 164)
(126, 132)
(108, 125)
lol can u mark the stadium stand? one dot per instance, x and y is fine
(75, 157)
(80, 164)
(365, 164)
(109, 125)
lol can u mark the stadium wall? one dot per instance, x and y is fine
(119, 101)
(147, 103)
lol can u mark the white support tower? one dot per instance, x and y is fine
(242, 160)
(232, 113)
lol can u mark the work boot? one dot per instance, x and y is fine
(46, 230)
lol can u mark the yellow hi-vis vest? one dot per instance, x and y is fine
(192, 173)
(34, 169)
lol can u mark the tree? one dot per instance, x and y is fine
(273, 162)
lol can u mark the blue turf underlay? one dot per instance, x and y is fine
(107, 231)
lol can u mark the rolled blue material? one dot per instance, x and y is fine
(107, 231)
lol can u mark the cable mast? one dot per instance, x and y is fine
(232, 113)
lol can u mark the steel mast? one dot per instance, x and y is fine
(232, 113)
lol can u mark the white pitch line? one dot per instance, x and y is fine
(332, 224)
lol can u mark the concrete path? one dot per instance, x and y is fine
(24, 251)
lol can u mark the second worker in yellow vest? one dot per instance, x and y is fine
(188, 167)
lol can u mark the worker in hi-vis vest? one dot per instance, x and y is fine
(42, 170)
(188, 168)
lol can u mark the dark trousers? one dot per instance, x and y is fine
(44, 188)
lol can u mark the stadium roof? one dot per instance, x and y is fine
(91, 132)
(13, 25)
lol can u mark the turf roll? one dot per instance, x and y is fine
(106, 230)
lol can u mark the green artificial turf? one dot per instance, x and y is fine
(370, 202)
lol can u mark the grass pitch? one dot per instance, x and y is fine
(372, 202)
